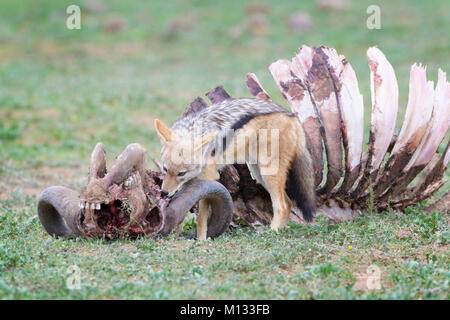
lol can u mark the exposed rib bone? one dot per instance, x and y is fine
(384, 89)
(217, 94)
(293, 89)
(428, 183)
(256, 88)
(418, 113)
(438, 125)
(324, 86)
(352, 120)
(433, 172)
(351, 113)
(195, 106)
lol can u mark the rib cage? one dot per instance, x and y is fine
(321, 87)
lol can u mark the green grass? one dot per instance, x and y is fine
(63, 90)
(318, 261)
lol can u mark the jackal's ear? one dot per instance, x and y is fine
(204, 140)
(164, 133)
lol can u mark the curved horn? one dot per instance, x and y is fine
(215, 193)
(59, 212)
(97, 168)
(132, 158)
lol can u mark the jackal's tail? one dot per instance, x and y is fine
(300, 185)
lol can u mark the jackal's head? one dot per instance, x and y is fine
(182, 157)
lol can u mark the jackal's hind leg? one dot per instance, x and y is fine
(275, 187)
(256, 174)
(288, 210)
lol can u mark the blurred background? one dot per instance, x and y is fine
(63, 90)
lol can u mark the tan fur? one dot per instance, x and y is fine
(291, 141)
(291, 144)
(164, 132)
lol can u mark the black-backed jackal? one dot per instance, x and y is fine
(262, 134)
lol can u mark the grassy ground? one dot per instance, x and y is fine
(63, 90)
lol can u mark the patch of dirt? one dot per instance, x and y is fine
(441, 205)
(333, 4)
(31, 191)
(49, 112)
(115, 24)
(141, 118)
(106, 51)
(180, 24)
(86, 251)
(299, 22)
(297, 266)
(95, 6)
(34, 180)
(256, 7)
(48, 48)
(9, 52)
(444, 248)
(257, 24)
(31, 136)
(31, 133)
(6, 194)
(426, 252)
(127, 247)
(404, 232)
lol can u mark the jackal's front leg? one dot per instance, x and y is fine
(202, 221)
(209, 173)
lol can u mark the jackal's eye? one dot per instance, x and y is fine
(164, 169)
(180, 174)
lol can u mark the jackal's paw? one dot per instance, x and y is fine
(201, 237)
(275, 225)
